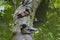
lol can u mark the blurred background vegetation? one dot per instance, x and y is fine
(49, 30)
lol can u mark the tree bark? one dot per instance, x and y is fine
(34, 7)
(16, 30)
(40, 13)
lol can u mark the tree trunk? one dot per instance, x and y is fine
(41, 12)
(34, 7)
(17, 22)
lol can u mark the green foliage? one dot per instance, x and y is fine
(6, 19)
(51, 29)
(48, 31)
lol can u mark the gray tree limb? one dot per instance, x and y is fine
(25, 20)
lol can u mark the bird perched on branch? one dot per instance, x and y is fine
(22, 17)
(24, 13)
(29, 30)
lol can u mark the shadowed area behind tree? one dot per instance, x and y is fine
(40, 13)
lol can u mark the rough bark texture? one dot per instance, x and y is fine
(24, 20)
(34, 7)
